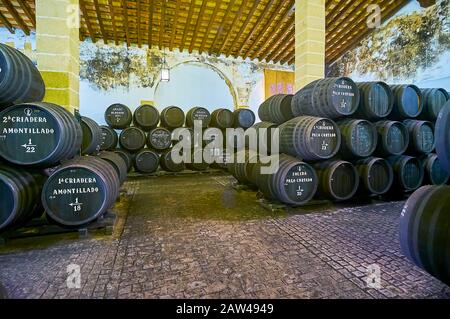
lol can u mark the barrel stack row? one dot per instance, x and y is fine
(347, 138)
(146, 136)
(41, 167)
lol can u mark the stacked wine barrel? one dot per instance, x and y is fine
(146, 138)
(366, 138)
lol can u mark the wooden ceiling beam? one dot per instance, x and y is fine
(12, 11)
(284, 50)
(162, 22)
(188, 21)
(340, 9)
(289, 24)
(243, 26)
(284, 36)
(263, 48)
(125, 20)
(211, 20)
(100, 22)
(150, 24)
(222, 24)
(256, 25)
(175, 18)
(7, 24)
(113, 21)
(87, 21)
(265, 31)
(197, 25)
(233, 24)
(26, 9)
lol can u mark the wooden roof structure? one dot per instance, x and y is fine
(256, 29)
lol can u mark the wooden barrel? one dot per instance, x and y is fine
(376, 175)
(331, 98)
(424, 235)
(393, 138)
(198, 114)
(294, 183)
(338, 180)
(264, 134)
(92, 136)
(109, 138)
(359, 138)
(146, 117)
(442, 136)
(376, 102)
(433, 101)
(222, 119)
(159, 139)
(80, 191)
(168, 164)
(172, 117)
(20, 80)
(310, 138)
(408, 172)
(117, 162)
(212, 134)
(244, 118)
(118, 116)
(126, 156)
(238, 167)
(434, 172)
(183, 133)
(38, 134)
(408, 102)
(197, 163)
(276, 109)
(19, 196)
(132, 139)
(421, 136)
(146, 161)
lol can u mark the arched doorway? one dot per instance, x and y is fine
(194, 83)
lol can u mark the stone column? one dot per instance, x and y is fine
(309, 41)
(58, 54)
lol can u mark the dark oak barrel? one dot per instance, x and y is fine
(434, 172)
(330, 97)
(421, 136)
(117, 162)
(244, 118)
(433, 101)
(212, 134)
(238, 167)
(172, 117)
(126, 156)
(110, 138)
(146, 161)
(294, 183)
(376, 100)
(276, 109)
(159, 139)
(264, 133)
(310, 138)
(376, 175)
(222, 119)
(38, 134)
(424, 232)
(338, 180)
(92, 136)
(19, 196)
(198, 114)
(197, 161)
(168, 164)
(80, 191)
(118, 116)
(408, 102)
(146, 117)
(359, 138)
(184, 133)
(132, 139)
(393, 138)
(408, 172)
(442, 136)
(20, 80)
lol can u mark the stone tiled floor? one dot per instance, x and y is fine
(174, 244)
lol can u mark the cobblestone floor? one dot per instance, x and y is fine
(175, 244)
